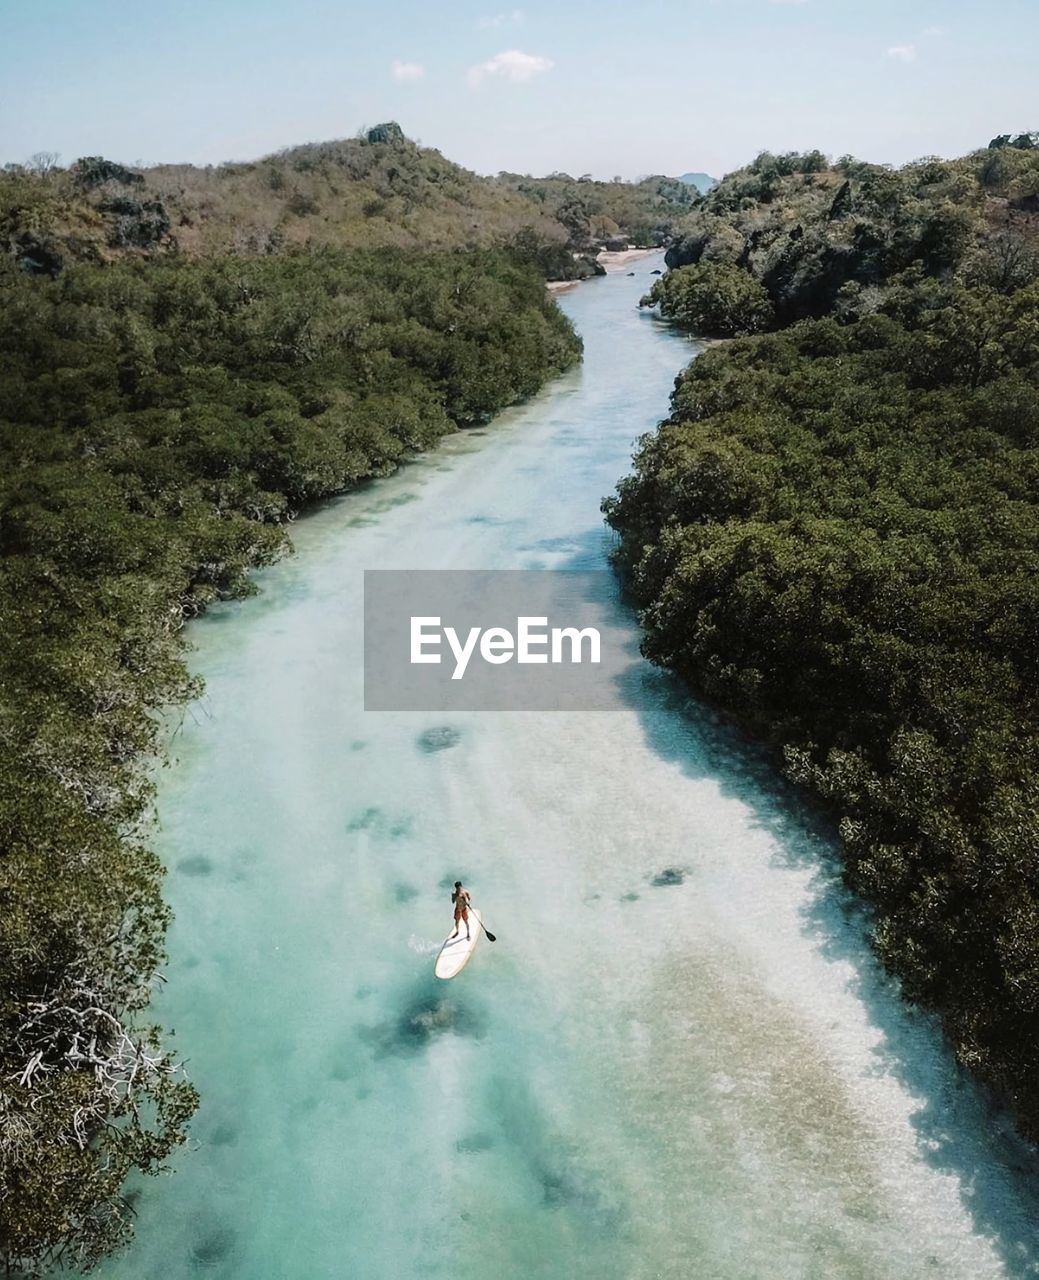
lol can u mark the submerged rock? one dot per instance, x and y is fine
(442, 738)
(376, 820)
(669, 876)
(448, 881)
(423, 1021)
(474, 1142)
(362, 821)
(224, 1135)
(432, 1018)
(210, 1249)
(197, 865)
(564, 1185)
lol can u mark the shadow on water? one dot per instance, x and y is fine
(561, 1174)
(960, 1131)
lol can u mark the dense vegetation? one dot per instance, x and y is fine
(717, 298)
(159, 422)
(822, 238)
(835, 536)
(379, 189)
(649, 212)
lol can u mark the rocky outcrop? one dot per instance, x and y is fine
(135, 224)
(38, 255)
(93, 171)
(590, 266)
(842, 202)
(687, 251)
(390, 132)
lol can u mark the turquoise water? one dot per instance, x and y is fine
(705, 1077)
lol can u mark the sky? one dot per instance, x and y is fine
(645, 86)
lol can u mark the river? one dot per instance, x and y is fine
(705, 1077)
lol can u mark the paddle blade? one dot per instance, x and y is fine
(491, 937)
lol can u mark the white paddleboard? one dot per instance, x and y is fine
(454, 954)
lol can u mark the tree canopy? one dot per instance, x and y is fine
(159, 420)
(835, 534)
(820, 237)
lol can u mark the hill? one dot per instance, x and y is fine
(379, 189)
(649, 212)
(820, 237)
(703, 182)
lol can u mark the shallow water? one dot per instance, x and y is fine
(679, 1059)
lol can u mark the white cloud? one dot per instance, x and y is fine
(512, 65)
(406, 70)
(933, 31)
(512, 19)
(902, 52)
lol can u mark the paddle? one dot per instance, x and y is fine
(490, 936)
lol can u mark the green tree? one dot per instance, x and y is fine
(713, 299)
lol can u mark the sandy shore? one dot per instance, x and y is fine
(617, 260)
(622, 258)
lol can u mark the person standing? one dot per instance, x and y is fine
(462, 903)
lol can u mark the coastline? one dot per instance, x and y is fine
(612, 260)
(617, 260)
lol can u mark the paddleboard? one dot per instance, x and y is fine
(454, 954)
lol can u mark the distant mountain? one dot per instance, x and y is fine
(703, 182)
